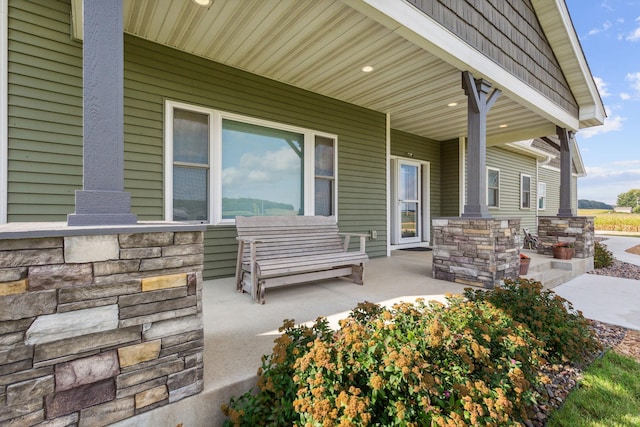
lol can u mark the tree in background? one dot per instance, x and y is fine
(630, 199)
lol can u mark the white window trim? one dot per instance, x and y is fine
(215, 159)
(522, 176)
(542, 192)
(499, 190)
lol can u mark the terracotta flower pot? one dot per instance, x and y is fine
(562, 252)
(524, 266)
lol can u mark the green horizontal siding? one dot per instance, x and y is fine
(551, 177)
(511, 166)
(44, 112)
(45, 126)
(450, 172)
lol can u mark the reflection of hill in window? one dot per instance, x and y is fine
(254, 207)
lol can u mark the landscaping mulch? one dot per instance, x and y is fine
(564, 377)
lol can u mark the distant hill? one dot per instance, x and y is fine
(592, 204)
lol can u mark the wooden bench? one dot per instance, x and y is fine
(283, 250)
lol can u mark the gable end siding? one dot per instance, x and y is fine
(510, 34)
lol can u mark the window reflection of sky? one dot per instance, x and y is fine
(261, 163)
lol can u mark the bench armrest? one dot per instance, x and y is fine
(248, 240)
(347, 239)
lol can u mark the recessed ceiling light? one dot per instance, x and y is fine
(503, 126)
(452, 104)
(367, 69)
(202, 2)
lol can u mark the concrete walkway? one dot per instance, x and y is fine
(604, 298)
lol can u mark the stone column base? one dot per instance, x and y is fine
(475, 251)
(577, 230)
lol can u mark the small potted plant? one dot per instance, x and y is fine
(524, 264)
(563, 250)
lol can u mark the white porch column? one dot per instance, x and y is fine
(102, 200)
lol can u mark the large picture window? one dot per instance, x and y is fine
(224, 165)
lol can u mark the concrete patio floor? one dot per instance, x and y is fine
(237, 332)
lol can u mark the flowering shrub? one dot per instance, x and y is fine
(552, 319)
(467, 363)
(273, 403)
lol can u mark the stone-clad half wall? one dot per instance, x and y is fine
(577, 231)
(478, 252)
(98, 328)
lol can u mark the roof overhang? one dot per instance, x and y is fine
(321, 46)
(557, 25)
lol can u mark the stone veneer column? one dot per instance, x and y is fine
(95, 329)
(576, 230)
(477, 252)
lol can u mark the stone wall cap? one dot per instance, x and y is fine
(32, 230)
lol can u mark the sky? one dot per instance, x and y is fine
(609, 32)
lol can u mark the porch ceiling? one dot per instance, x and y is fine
(321, 46)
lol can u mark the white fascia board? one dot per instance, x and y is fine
(423, 31)
(576, 156)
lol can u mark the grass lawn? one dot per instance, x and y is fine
(609, 396)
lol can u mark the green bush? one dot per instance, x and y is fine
(552, 319)
(468, 363)
(602, 257)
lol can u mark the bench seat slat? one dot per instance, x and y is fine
(286, 266)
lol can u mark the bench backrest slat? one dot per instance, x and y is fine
(284, 236)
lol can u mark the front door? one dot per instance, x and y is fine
(408, 217)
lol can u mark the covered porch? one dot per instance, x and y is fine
(238, 332)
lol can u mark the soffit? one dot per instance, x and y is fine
(321, 46)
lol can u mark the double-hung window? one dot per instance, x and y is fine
(221, 165)
(542, 196)
(493, 187)
(525, 191)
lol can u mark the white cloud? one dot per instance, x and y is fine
(605, 27)
(604, 183)
(263, 167)
(634, 78)
(634, 36)
(602, 86)
(611, 124)
(625, 96)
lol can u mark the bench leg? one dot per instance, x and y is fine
(357, 274)
(260, 292)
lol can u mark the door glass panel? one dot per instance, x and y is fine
(408, 182)
(409, 219)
